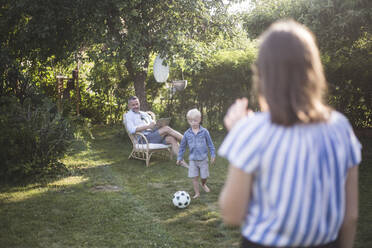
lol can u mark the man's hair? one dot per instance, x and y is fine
(289, 74)
(192, 113)
(132, 98)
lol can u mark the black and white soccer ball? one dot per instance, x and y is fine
(181, 199)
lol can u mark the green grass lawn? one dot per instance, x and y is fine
(110, 201)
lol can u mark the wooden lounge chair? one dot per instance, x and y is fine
(145, 150)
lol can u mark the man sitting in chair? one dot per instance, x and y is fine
(139, 121)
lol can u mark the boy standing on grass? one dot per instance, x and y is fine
(198, 140)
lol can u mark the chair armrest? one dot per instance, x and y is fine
(143, 137)
(152, 114)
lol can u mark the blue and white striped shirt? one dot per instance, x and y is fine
(298, 196)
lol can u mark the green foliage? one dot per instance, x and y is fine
(137, 29)
(225, 76)
(105, 91)
(344, 34)
(116, 41)
(31, 139)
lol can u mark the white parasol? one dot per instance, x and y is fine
(161, 72)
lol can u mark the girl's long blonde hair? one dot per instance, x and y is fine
(289, 74)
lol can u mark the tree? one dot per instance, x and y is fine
(130, 31)
(35, 36)
(344, 34)
(136, 29)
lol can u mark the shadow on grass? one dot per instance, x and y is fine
(71, 212)
(77, 216)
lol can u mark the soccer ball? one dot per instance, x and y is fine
(181, 199)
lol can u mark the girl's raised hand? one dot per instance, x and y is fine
(236, 112)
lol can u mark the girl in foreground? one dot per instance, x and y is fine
(293, 174)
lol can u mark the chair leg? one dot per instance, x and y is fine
(170, 154)
(131, 154)
(148, 156)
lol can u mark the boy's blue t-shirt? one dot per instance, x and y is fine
(198, 144)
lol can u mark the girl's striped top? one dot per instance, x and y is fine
(298, 196)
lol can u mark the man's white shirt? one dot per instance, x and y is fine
(134, 120)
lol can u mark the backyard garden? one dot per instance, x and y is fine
(67, 69)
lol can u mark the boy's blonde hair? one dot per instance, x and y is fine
(289, 74)
(193, 113)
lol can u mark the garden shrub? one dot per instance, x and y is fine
(225, 76)
(32, 139)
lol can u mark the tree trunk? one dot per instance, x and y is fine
(140, 88)
(139, 77)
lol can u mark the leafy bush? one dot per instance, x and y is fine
(31, 139)
(224, 77)
(343, 32)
